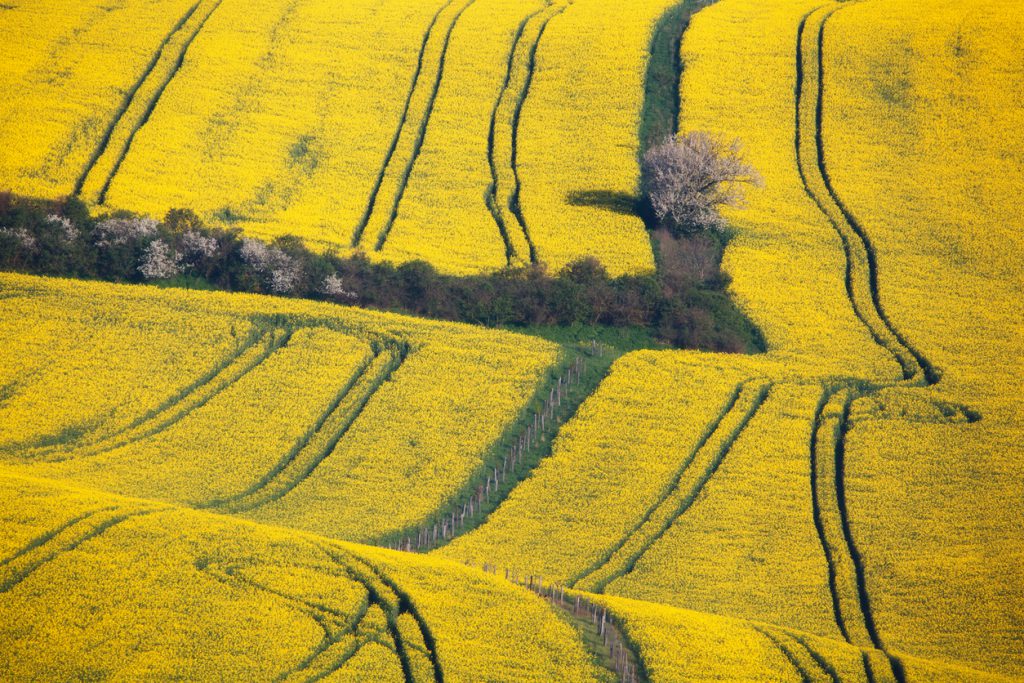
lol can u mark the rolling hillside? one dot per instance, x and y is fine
(472, 135)
(207, 485)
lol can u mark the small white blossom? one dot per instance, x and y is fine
(283, 279)
(255, 253)
(23, 236)
(334, 287)
(160, 261)
(195, 245)
(116, 231)
(65, 224)
(280, 270)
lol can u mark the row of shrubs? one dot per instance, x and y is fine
(64, 239)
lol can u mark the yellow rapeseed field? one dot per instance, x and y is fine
(186, 477)
(721, 648)
(927, 154)
(276, 109)
(473, 134)
(441, 217)
(865, 500)
(176, 593)
(345, 422)
(67, 68)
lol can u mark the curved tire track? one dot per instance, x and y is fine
(861, 276)
(490, 197)
(357, 234)
(403, 605)
(101, 148)
(64, 539)
(847, 576)
(741, 409)
(179, 407)
(509, 201)
(150, 105)
(787, 652)
(392, 182)
(297, 465)
(337, 625)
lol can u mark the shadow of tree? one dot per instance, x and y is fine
(616, 202)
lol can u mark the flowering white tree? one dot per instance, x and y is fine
(119, 231)
(689, 178)
(25, 239)
(68, 229)
(160, 261)
(196, 246)
(280, 271)
(334, 287)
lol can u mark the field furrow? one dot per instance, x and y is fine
(383, 205)
(861, 263)
(395, 603)
(248, 357)
(499, 152)
(699, 467)
(139, 103)
(792, 655)
(301, 461)
(503, 140)
(339, 616)
(64, 539)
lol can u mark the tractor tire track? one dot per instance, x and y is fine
(823, 489)
(889, 664)
(851, 602)
(101, 148)
(508, 202)
(48, 536)
(335, 624)
(46, 445)
(926, 372)
(338, 664)
(357, 234)
(421, 134)
(332, 426)
(181, 406)
(820, 662)
(861, 277)
(847, 576)
(48, 547)
(514, 203)
(738, 413)
(787, 652)
(153, 102)
(709, 431)
(369, 575)
(490, 197)
(392, 182)
(811, 666)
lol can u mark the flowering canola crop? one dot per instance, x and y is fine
(883, 276)
(264, 603)
(473, 134)
(348, 423)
